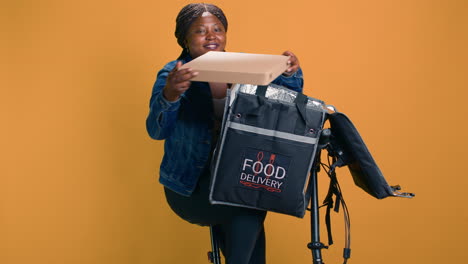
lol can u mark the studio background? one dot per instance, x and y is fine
(78, 173)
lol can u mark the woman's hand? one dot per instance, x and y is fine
(178, 81)
(293, 63)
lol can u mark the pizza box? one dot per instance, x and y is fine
(235, 67)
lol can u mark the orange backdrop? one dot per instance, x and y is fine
(79, 173)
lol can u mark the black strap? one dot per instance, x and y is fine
(330, 203)
(335, 190)
(328, 221)
(301, 99)
(301, 102)
(261, 90)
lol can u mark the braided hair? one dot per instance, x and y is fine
(187, 15)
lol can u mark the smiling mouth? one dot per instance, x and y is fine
(212, 46)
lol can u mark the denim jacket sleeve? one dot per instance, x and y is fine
(294, 82)
(162, 113)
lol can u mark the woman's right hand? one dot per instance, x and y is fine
(178, 81)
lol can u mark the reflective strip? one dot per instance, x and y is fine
(272, 133)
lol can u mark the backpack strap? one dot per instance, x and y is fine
(334, 190)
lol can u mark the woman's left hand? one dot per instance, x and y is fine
(293, 63)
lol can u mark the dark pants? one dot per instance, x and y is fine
(239, 230)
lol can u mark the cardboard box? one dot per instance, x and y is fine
(234, 67)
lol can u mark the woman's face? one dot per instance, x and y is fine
(205, 34)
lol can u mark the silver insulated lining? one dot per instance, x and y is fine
(282, 94)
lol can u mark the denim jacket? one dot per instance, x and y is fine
(186, 125)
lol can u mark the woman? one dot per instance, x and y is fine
(187, 115)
